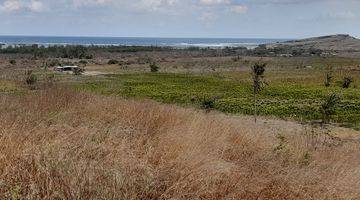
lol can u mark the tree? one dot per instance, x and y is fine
(258, 71)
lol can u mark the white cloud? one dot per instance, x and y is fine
(37, 6)
(239, 9)
(214, 2)
(348, 15)
(155, 5)
(11, 6)
(208, 18)
(79, 3)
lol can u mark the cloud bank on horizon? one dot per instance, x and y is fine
(180, 18)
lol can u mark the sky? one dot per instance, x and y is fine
(180, 18)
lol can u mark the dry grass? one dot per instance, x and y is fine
(62, 145)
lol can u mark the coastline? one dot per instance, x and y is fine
(214, 43)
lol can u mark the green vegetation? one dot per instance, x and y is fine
(30, 78)
(154, 67)
(328, 79)
(7, 87)
(347, 82)
(13, 62)
(113, 62)
(258, 71)
(88, 52)
(328, 108)
(292, 97)
(78, 71)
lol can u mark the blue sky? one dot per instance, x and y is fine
(180, 18)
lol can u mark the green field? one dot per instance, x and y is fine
(289, 95)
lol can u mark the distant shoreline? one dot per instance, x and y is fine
(134, 41)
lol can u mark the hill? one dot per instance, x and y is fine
(341, 42)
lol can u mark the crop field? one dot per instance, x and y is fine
(289, 95)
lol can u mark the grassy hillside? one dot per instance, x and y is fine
(59, 144)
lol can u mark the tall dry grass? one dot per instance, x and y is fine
(58, 144)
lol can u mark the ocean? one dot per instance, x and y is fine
(136, 41)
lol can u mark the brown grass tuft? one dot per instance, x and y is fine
(59, 144)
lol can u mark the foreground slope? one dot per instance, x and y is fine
(65, 145)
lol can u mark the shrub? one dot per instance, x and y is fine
(83, 62)
(88, 57)
(113, 62)
(144, 60)
(154, 67)
(236, 59)
(121, 63)
(78, 71)
(208, 104)
(328, 107)
(53, 63)
(347, 82)
(30, 78)
(13, 62)
(328, 79)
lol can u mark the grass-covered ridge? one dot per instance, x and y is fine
(295, 97)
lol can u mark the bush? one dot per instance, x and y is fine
(83, 62)
(328, 79)
(347, 82)
(88, 57)
(30, 78)
(78, 71)
(328, 107)
(154, 67)
(121, 63)
(113, 62)
(13, 62)
(53, 63)
(144, 60)
(208, 104)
